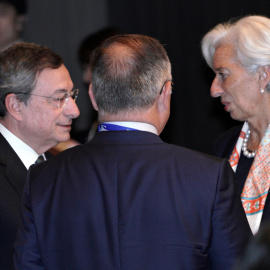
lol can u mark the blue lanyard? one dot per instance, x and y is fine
(112, 127)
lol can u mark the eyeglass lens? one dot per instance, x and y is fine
(64, 99)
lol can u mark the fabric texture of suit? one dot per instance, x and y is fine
(127, 200)
(225, 143)
(12, 179)
(223, 148)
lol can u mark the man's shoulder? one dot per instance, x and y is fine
(232, 132)
(89, 149)
(65, 154)
(7, 153)
(225, 142)
(173, 156)
(3, 141)
(190, 154)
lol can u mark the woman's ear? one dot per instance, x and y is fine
(92, 97)
(264, 76)
(13, 105)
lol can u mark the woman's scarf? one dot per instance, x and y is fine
(257, 184)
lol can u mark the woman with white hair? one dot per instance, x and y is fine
(239, 54)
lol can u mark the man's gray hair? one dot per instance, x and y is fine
(128, 72)
(19, 67)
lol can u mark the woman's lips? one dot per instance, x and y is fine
(226, 105)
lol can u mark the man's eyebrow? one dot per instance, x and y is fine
(63, 90)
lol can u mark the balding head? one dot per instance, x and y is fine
(128, 72)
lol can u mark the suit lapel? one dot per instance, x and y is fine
(15, 170)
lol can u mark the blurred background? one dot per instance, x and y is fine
(196, 118)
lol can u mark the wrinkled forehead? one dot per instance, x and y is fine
(50, 81)
(223, 54)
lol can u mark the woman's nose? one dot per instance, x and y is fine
(216, 90)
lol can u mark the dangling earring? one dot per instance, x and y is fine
(262, 90)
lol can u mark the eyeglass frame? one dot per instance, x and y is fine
(172, 85)
(74, 95)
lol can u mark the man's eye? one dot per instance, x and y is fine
(55, 101)
(58, 98)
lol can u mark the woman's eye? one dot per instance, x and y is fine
(222, 75)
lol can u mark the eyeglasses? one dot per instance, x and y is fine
(172, 85)
(61, 101)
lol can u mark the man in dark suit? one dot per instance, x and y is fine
(127, 200)
(35, 115)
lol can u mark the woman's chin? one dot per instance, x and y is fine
(236, 117)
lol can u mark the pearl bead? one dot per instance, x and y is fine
(244, 147)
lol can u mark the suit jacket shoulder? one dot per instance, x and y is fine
(226, 141)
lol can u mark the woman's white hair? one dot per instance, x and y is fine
(250, 37)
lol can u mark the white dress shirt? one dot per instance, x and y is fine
(26, 154)
(134, 125)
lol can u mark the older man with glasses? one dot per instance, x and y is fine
(37, 105)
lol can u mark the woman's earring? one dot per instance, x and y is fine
(262, 90)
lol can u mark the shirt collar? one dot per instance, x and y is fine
(27, 155)
(134, 125)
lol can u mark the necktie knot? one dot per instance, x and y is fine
(40, 159)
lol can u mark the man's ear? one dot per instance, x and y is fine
(92, 97)
(13, 106)
(164, 99)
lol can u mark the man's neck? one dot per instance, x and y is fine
(12, 127)
(127, 126)
(26, 154)
(143, 116)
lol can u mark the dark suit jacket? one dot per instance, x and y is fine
(225, 143)
(223, 148)
(12, 179)
(127, 200)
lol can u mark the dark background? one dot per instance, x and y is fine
(196, 118)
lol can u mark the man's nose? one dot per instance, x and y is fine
(71, 109)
